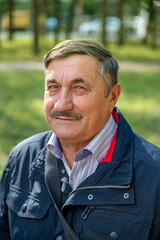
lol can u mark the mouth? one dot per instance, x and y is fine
(65, 119)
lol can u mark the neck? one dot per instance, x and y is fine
(70, 150)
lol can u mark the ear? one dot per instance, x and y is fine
(114, 95)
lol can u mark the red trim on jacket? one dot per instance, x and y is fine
(108, 156)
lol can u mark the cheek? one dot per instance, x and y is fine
(82, 105)
(48, 104)
(94, 109)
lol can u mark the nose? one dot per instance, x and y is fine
(64, 102)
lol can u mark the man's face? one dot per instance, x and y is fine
(74, 101)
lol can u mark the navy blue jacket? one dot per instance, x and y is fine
(121, 200)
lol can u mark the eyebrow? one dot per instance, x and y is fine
(74, 81)
(51, 81)
(79, 80)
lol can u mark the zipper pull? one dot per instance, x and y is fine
(87, 212)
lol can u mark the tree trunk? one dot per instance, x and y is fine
(120, 16)
(155, 27)
(71, 13)
(104, 14)
(45, 3)
(42, 11)
(0, 32)
(56, 7)
(35, 27)
(10, 11)
(150, 36)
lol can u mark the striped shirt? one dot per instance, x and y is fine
(87, 160)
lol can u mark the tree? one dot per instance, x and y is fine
(104, 13)
(3, 9)
(56, 14)
(10, 12)
(151, 33)
(120, 14)
(90, 7)
(150, 7)
(70, 18)
(35, 27)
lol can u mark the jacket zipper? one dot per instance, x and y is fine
(88, 209)
(86, 212)
(101, 187)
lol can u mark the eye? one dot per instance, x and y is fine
(79, 89)
(53, 87)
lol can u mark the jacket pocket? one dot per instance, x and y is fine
(24, 204)
(109, 231)
(27, 214)
(107, 223)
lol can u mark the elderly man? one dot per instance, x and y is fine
(107, 184)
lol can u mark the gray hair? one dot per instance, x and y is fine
(108, 66)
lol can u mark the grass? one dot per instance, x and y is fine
(140, 104)
(22, 49)
(134, 51)
(21, 107)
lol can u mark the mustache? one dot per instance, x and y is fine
(67, 114)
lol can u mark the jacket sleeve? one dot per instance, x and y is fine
(4, 189)
(152, 213)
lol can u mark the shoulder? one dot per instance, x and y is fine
(24, 153)
(31, 145)
(147, 178)
(37, 139)
(147, 151)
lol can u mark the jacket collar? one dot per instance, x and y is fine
(111, 176)
(38, 164)
(37, 167)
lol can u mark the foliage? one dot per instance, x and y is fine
(3, 6)
(90, 7)
(134, 6)
(21, 108)
(22, 4)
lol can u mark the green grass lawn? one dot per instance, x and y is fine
(135, 52)
(21, 106)
(22, 49)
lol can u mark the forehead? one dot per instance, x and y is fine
(74, 62)
(75, 68)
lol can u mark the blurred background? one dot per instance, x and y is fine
(106, 20)
(30, 28)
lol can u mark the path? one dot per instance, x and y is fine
(124, 66)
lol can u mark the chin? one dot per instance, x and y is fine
(64, 135)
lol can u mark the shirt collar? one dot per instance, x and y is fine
(54, 146)
(100, 144)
